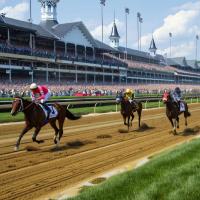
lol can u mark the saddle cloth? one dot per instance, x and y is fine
(53, 112)
(182, 107)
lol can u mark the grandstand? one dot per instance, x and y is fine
(68, 54)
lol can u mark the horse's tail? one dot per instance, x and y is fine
(70, 116)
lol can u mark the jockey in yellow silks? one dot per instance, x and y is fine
(129, 94)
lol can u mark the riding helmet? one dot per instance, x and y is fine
(33, 86)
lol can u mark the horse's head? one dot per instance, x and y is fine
(17, 105)
(166, 97)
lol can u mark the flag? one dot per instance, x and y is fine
(170, 34)
(141, 20)
(138, 15)
(197, 37)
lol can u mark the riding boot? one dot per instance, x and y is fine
(47, 109)
(134, 105)
(178, 105)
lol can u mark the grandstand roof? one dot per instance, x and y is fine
(134, 52)
(193, 64)
(48, 23)
(101, 45)
(28, 26)
(178, 61)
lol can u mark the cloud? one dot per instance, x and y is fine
(181, 50)
(18, 11)
(183, 25)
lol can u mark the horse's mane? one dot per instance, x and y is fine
(24, 100)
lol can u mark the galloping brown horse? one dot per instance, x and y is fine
(128, 109)
(172, 111)
(35, 117)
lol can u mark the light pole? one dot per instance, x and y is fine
(197, 38)
(102, 2)
(141, 21)
(126, 14)
(138, 31)
(30, 12)
(170, 44)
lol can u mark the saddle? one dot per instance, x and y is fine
(180, 105)
(53, 111)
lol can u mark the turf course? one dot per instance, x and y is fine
(172, 175)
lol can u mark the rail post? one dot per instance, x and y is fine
(116, 107)
(159, 104)
(68, 106)
(191, 100)
(95, 105)
(145, 105)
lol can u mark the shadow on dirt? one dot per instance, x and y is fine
(144, 127)
(190, 131)
(73, 145)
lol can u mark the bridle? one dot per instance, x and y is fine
(21, 108)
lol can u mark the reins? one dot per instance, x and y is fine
(22, 109)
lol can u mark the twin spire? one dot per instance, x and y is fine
(114, 36)
(49, 15)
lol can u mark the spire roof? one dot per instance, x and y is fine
(152, 47)
(114, 32)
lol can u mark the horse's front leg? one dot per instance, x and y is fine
(25, 130)
(128, 122)
(34, 137)
(177, 119)
(124, 118)
(132, 117)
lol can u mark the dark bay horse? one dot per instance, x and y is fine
(35, 117)
(173, 112)
(128, 109)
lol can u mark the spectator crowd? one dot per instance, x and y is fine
(20, 87)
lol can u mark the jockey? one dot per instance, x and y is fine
(176, 96)
(40, 94)
(129, 94)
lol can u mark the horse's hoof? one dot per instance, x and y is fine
(175, 133)
(16, 148)
(177, 126)
(40, 141)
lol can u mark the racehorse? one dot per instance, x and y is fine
(35, 117)
(128, 109)
(173, 112)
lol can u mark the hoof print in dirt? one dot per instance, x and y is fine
(123, 131)
(104, 136)
(31, 148)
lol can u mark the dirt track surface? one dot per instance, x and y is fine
(90, 146)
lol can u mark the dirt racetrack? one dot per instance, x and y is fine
(90, 146)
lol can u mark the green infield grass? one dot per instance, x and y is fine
(173, 175)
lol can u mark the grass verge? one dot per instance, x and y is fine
(172, 175)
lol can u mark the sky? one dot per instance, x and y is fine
(180, 17)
